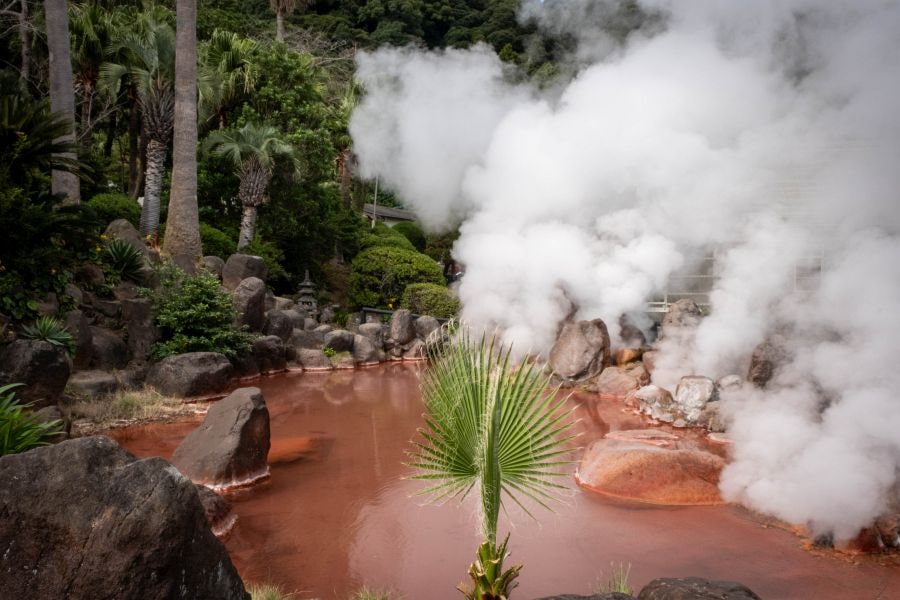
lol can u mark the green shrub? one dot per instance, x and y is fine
(51, 330)
(413, 232)
(430, 299)
(271, 255)
(20, 431)
(382, 235)
(216, 242)
(380, 274)
(112, 206)
(195, 315)
(123, 261)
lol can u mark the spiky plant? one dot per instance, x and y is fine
(19, 431)
(493, 426)
(50, 330)
(124, 260)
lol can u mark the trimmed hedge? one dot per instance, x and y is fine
(113, 205)
(430, 299)
(413, 232)
(382, 235)
(216, 242)
(380, 275)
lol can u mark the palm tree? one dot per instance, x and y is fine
(253, 150)
(282, 8)
(495, 427)
(183, 220)
(227, 73)
(148, 65)
(62, 92)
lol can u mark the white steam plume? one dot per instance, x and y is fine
(764, 131)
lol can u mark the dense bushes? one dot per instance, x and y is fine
(380, 274)
(216, 242)
(112, 206)
(430, 299)
(413, 232)
(382, 235)
(195, 315)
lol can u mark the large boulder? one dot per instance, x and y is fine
(90, 384)
(239, 267)
(301, 338)
(375, 333)
(312, 359)
(140, 326)
(695, 588)
(767, 357)
(278, 323)
(108, 350)
(42, 367)
(615, 381)
(250, 304)
(581, 350)
(268, 351)
(340, 340)
(403, 329)
(298, 319)
(231, 446)
(425, 325)
(191, 374)
(692, 394)
(364, 351)
(682, 315)
(213, 264)
(80, 328)
(90, 275)
(651, 466)
(84, 519)
(122, 229)
(217, 509)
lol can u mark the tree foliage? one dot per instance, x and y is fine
(380, 274)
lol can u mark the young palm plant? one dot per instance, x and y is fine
(253, 150)
(495, 427)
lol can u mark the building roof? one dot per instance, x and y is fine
(386, 212)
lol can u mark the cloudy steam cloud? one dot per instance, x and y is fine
(765, 132)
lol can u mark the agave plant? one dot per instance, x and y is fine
(51, 330)
(18, 430)
(495, 427)
(125, 260)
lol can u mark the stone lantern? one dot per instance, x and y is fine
(306, 297)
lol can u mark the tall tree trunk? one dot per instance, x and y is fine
(248, 226)
(111, 126)
(134, 147)
(25, 40)
(279, 25)
(87, 105)
(346, 169)
(183, 221)
(62, 90)
(153, 176)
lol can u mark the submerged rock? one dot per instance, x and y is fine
(84, 519)
(650, 466)
(581, 350)
(695, 588)
(217, 509)
(232, 444)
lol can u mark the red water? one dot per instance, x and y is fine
(336, 514)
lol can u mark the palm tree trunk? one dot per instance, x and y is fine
(134, 148)
(248, 226)
(183, 221)
(62, 90)
(279, 25)
(153, 176)
(25, 40)
(111, 126)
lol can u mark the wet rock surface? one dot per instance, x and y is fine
(695, 588)
(581, 350)
(103, 524)
(231, 445)
(190, 374)
(615, 381)
(42, 367)
(651, 466)
(217, 509)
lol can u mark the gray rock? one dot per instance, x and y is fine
(42, 367)
(80, 328)
(364, 351)
(108, 308)
(91, 384)
(339, 339)
(684, 314)
(231, 445)
(239, 267)
(99, 523)
(306, 339)
(424, 326)
(217, 510)
(766, 359)
(729, 382)
(133, 376)
(415, 350)
(74, 292)
(244, 366)
(403, 330)
(91, 275)
(695, 588)
(320, 329)
(284, 303)
(615, 381)
(108, 350)
(278, 323)
(692, 394)
(328, 314)
(581, 350)
(711, 418)
(126, 290)
(213, 264)
(140, 326)
(375, 333)
(49, 306)
(269, 353)
(249, 303)
(191, 374)
(270, 301)
(313, 360)
(121, 229)
(298, 320)
(655, 402)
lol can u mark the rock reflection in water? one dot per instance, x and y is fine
(337, 513)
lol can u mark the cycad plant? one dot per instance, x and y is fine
(491, 425)
(52, 331)
(124, 260)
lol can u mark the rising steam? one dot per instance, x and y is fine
(766, 132)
